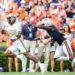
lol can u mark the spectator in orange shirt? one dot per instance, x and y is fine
(22, 11)
(39, 11)
(51, 11)
(55, 21)
(32, 17)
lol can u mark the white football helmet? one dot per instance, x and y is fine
(46, 21)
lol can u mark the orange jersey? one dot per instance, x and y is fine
(55, 22)
(9, 12)
(48, 13)
(14, 12)
(22, 14)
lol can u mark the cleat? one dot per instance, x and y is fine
(42, 67)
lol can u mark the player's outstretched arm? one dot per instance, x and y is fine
(44, 27)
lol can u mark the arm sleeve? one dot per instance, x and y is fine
(46, 27)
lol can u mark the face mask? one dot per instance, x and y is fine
(10, 21)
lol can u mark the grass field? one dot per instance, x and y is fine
(49, 73)
(66, 66)
(2, 44)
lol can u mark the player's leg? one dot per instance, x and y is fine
(9, 52)
(24, 61)
(52, 52)
(23, 50)
(32, 51)
(66, 48)
(20, 45)
(58, 52)
(12, 52)
(40, 50)
(70, 53)
(35, 60)
(47, 48)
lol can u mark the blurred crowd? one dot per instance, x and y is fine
(59, 11)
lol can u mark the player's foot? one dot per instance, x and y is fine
(41, 67)
(73, 62)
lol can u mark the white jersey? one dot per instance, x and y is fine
(12, 31)
(46, 21)
(68, 37)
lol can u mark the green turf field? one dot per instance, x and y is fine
(2, 44)
(49, 73)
